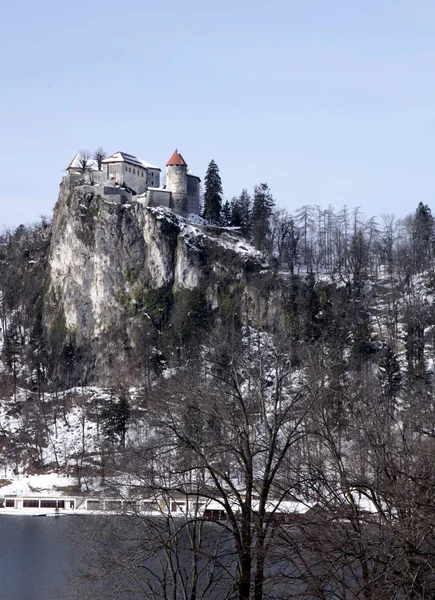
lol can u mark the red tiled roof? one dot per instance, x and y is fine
(176, 159)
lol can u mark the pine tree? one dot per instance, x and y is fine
(361, 333)
(261, 212)
(415, 319)
(115, 417)
(390, 377)
(423, 234)
(242, 213)
(226, 215)
(213, 194)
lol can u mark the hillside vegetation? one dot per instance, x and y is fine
(298, 371)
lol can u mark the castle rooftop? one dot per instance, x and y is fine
(77, 163)
(176, 160)
(129, 158)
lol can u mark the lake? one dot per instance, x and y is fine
(40, 557)
(37, 554)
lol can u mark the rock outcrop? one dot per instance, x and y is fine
(107, 255)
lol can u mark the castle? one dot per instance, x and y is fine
(122, 171)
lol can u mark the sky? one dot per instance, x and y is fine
(329, 102)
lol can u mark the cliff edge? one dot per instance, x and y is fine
(115, 264)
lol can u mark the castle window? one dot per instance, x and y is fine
(126, 168)
(129, 169)
(142, 173)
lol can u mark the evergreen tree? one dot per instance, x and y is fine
(12, 349)
(241, 214)
(213, 194)
(361, 333)
(261, 213)
(423, 232)
(390, 377)
(226, 215)
(115, 417)
(415, 319)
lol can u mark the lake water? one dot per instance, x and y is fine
(37, 556)
(40, 556)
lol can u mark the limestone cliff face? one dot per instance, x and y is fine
(106, 254)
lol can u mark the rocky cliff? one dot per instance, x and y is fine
(114, 263)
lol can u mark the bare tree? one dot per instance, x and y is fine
(84, 158)
(285, 238)
(99, 156)
(155, 551)
(373, 535)
(229, 436)
(226, 435)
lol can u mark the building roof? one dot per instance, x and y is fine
(176, 160)
(91, 163)
(148, 165)
(130, 159)
(189, 172)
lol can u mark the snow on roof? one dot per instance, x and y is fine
(279, 506)
(148, 165)
(130, 159)
(189, 172)
(123, 157)
(76, 163)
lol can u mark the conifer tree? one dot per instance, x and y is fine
(390, 377)
(415, 318)
(213, 194)
(261, 212)
(242, 213)
(423, 236)
(226, 215)
(116, 415)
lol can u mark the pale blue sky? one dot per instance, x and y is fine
(329, 102)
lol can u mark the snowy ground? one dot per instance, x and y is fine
(30, 485)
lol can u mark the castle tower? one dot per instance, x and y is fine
(176, 183)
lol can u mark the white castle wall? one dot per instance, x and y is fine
(181, 193)
(153, 179)
(133, 177)
(176, 179)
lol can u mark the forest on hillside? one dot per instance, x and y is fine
(329, 407)
(363, 283)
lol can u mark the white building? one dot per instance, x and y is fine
(133, 172)
(76, 166)
(181, 192)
